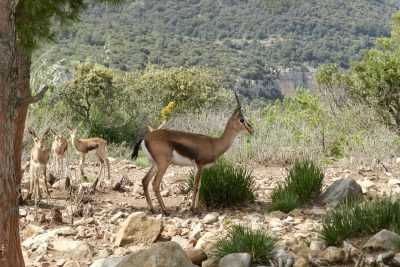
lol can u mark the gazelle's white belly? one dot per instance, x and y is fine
(180, 160)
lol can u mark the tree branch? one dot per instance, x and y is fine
(33, 99)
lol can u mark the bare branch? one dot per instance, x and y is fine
(33, 99)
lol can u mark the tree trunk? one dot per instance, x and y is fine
(10, 247)
(23, 89)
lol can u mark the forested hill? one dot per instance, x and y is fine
(242, 37)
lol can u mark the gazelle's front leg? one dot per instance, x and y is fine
(196, 187)
(45, 181)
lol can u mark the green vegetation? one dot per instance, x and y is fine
(117, 105)
(258, 243)
(241, 38)
(303, 183)
(225, 185)
(374, 80)
(355, 219)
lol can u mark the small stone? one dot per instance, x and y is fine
(317, 245)
(211, 218)
(196, 232)
(71, 264)
(212, 262)
(333, 255)
(340, 190)
(236, 260)
(207, 242)
(301, 262)
(138, 228)
(116, 216)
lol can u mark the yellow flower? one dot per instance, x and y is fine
(167, 110)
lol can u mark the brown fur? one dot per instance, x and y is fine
(198, 148)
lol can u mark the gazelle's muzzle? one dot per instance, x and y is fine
(249, 128)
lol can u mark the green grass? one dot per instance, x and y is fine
(359, 218)
(258, 243)
(224, 185)
(142, 161)
(303, 183)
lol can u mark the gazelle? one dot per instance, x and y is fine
(58, 149)
(164, 147)
(83, 146)
(40, 154)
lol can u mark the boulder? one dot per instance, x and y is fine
(183, 242)
(74, 249)
(236, 260)
(107, 262)
(138, 228)
(207, 242)
(341, 190)
(196, 256)
(211, 218)
(164, 254)
(384, 240)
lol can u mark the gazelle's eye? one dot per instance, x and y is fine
(241, 120)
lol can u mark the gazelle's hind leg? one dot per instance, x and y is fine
(145, 182)
(31, 180)
(196, 187)
(45, 181)
(81, 164)
(162, 168)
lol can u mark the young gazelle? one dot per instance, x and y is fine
(40, 154)
(83, 146)
(164, 147)
(58, 149)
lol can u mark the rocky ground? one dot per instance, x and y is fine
(117, 223)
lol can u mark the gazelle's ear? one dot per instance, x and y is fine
(32, 132)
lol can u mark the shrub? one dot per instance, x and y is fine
(224, 185)
(258, 243)
(284, 200)
(357, 218)
(303, 183)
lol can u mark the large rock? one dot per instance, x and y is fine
(108, 262)
(236, 260)
(207, 242)
(384, 240)
(164, 254)
(341, 190)
(74, 249)
(138, 228)
(196, 256)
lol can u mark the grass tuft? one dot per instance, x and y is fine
(224, 185)
(240, 239)
(303, 183)
(355, 218)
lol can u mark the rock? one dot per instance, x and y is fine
(207, 242)
(196, 256)
(108, 262)
(183, 242)
(72, 248)
(116, 216)
(235, 260)
(283, 258)
(211, 218)
(65, 231)
(396, 260)
(384, 240)
(196, 232)
(212, 262)
(331, 255)
(71, 264)
(163, 254)
(35, 241)
(317, 245)
(31, 230)
(301, 262)
(340, 190)
(138, 228)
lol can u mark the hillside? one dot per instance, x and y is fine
(244, 38)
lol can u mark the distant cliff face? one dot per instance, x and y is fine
(287, 82)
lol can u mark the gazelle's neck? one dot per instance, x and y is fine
(74, 140)
(225, 141)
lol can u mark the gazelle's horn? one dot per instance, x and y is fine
(237, 100)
